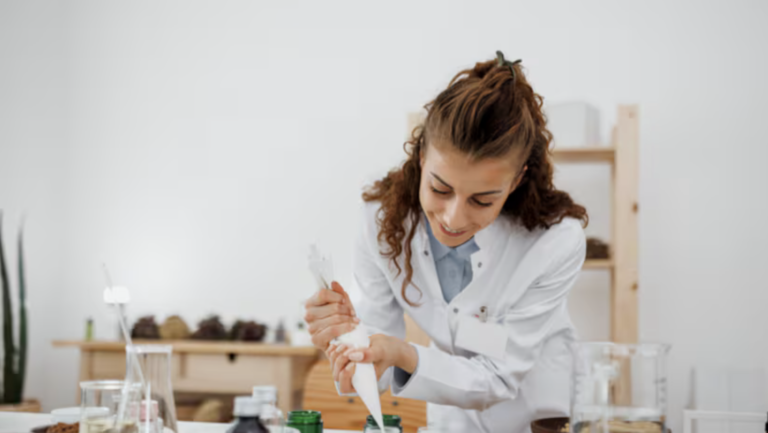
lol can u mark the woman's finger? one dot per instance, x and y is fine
(336, 287)
(365, 356)
(322, 338)
(333, 352)
(322, 297)
(341, 363)
(316, 313)
(336, 319)
(345, 379)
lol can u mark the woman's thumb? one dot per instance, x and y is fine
(336, 287)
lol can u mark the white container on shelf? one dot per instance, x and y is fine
(573, 124)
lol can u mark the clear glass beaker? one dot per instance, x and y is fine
(99, 403)
(156, 410)
(618, 387)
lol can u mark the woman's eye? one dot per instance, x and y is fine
(437, 191)
(479, 203)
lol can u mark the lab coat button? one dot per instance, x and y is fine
(455, 310)
(426, 253)
(479, 264)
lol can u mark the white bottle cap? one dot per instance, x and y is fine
(247, 406)
(265, 394)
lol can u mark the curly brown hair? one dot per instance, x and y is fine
(488, 111)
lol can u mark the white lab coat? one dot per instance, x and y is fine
(523, 278)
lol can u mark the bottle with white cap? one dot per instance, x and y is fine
(271, 416)
(248, 412)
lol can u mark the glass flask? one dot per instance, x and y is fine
(618, 388)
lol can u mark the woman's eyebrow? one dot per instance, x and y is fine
(449, 186)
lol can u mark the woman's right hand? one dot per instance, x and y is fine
(329, 314)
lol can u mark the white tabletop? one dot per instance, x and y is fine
(18, 422)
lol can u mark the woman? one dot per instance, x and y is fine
(472, 240)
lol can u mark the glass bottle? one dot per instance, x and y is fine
(306, 421)
(247, 411)
(150, 365)
(392, 423)
(618, 387)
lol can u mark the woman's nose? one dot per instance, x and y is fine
(455, 217)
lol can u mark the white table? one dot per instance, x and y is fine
(18, 422)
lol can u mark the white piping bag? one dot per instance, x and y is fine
(321, 267)
(364, 380)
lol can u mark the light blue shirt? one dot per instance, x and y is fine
(454, 267)
(454, 270)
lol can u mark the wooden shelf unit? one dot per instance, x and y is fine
(210, 367)
(585, 154)
(622, 154)
(598, 264)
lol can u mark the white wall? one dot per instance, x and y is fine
(32, 144)
(198, 147)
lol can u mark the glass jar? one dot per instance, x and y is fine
(150, 365)
(306, 421)
(618, 387)
(247, 412)
(392, 424)
(100, 404)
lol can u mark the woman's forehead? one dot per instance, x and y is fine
(463, 171)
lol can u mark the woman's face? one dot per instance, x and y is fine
(461, 196)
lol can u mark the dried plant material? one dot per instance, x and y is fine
(210, 329)
(247, 331)
(597, 249)
(146, 328)
(174, 328)
(64, 428)
(209, 411)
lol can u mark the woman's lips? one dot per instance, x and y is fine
(451, 234)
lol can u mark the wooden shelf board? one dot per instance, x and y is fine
(188, 346)
(585, 154)
(598, 264)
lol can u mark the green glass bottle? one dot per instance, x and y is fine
(389, 421)
(306, 421)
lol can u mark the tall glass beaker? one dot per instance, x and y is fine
(156, 412)
(618, 387)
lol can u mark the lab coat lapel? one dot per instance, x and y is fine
(424, 265)
(487, 241)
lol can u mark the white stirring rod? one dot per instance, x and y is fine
(119, 297)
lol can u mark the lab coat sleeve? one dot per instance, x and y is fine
(377, 306)
(480, 381)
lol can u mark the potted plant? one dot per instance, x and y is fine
(14, 359)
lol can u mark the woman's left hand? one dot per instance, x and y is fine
(384, 352)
